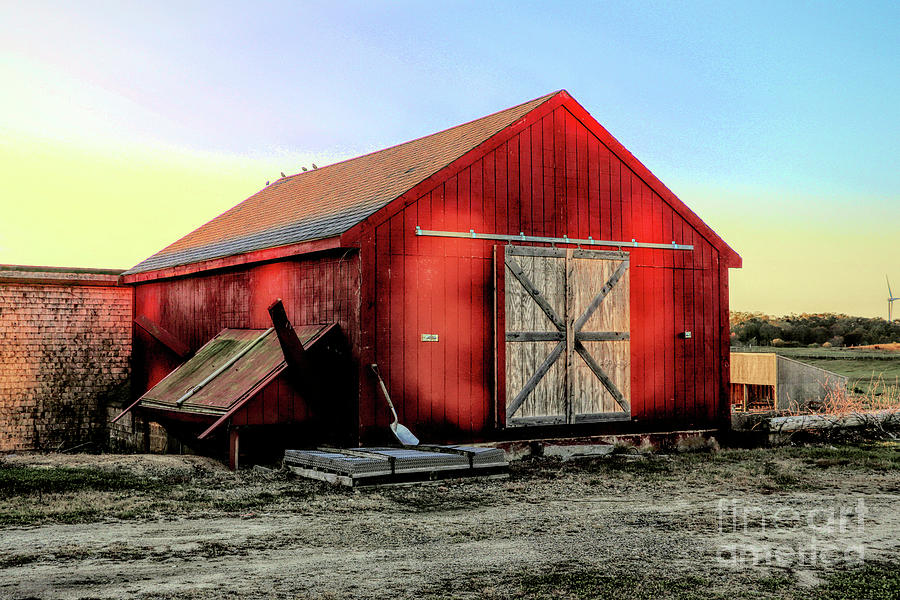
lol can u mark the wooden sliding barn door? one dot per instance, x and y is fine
(562, 335)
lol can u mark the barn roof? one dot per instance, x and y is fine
(328, 201)
(324, 203)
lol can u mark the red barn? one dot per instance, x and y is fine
(520, 271)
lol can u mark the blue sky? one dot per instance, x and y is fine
(776, 122)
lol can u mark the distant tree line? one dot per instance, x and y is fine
(759, 329)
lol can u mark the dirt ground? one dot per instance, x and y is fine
(733, 523)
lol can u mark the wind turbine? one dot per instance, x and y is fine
(890, 300)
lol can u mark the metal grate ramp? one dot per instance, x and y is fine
(383, 466)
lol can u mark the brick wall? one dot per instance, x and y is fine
(65, 349)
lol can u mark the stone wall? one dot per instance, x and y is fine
(65, 351)
(133, 433)
(128, 434)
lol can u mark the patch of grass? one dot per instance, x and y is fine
(778, 475)
(574, 583)
(877, 456)
(17, 560)
(649, 466)
(865, 374)
(29, 515)
(191, 494)
(791, 467)
(34, 495)
(433, 498)
(874, 581)
(766, 470)
(298, 493)
(128, 514)
(30, 495)
(865, 456)
(213, 549)
(244, 502)
(595, 584)
(740, 455)
(776, 583)
(20, 481)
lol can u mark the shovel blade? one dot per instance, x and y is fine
(404, 435)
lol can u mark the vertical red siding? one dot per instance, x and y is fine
(318, 289)
(554, 178)
(724, 415)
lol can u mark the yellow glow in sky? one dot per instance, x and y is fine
(804, 253)
(64, 205)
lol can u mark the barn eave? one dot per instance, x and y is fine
(302, 248)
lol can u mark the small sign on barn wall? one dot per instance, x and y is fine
(429, 337)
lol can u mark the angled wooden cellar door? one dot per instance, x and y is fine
(563, 317)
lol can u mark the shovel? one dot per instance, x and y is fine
(404, 435)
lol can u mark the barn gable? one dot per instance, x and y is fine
(554, 173)
(559, 116)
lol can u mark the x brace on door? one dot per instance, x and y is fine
(569, 334)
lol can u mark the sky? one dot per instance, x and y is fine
(125, 125)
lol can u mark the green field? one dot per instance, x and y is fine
(876, 371)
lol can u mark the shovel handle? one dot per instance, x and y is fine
(387, 396)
